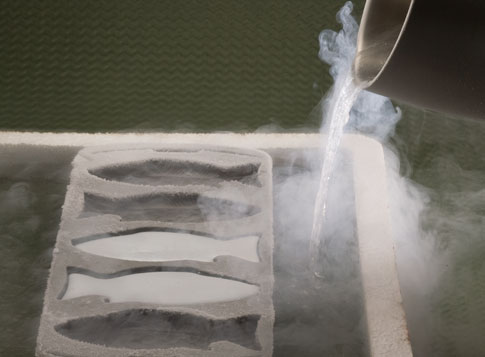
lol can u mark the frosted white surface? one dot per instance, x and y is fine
(166, 288)
(169, 246)
(387, 331)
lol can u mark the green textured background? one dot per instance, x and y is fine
(167, 65)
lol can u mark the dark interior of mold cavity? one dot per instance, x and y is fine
(168, 207)
(149, 329)
(172, 172)
(315, 317)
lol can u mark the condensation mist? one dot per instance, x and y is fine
(424, 249)
(435, 176)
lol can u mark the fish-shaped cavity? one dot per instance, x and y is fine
(163, 287)
(150, 329)
(153, 246)
(179, 173)
(168, 207)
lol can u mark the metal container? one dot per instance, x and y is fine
(429, 53)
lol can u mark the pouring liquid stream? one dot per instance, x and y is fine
(343, 97)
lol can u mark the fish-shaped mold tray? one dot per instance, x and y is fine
(163, 250)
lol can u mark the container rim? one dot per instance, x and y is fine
(375, 18)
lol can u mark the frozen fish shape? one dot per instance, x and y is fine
(165, 288)
(170, 246)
